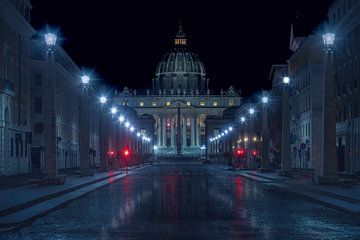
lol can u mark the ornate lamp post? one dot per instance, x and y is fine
(285, 140)
(84, 127)
(326, 169)
(265, 136)
(251, 144)
(50, 132)
(102, 134)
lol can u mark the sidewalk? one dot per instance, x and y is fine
(22, 205)
(335, 196)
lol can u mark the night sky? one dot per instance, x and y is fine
(124, 40)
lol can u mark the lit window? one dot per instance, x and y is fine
(141, 104)
(215, 103)
(188, 103)
(231, 102)
(154, 103)
(202, 103)
(167, 103)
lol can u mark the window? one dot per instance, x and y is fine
(202, 103)
(141, 104)
(188, 103)
(37, 104)
(37, 80)
(38, 128)
(154, 103)
(231, 102)
(168, 103)
(215, 103)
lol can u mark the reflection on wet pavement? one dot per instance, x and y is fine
(190, 202)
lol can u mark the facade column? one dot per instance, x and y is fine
(172, 132)
(163, 127)
(159, 131)
(184, 132)
(265, 141)
(197, 137)
(192, 131)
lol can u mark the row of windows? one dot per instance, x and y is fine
(348, 111)
(347, 77)
(202, 103)
(342, 10)
(21, 148)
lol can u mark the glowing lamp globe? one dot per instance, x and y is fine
(265, 99)
(103, 99)
(329, 39)
(50, 39)
(113, 110)
(85, 79)
(286, 80)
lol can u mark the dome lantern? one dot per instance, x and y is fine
(180, 39)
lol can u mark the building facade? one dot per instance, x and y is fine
(344, 20)
(306, 71)
(15, 138)
(179, 102)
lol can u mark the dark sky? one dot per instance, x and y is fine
(123, 40)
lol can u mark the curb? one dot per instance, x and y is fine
(313, 195)
(43, 199)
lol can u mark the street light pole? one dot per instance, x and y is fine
(50, 109)
(265, 136)
(326, 169)
(84, 128)
(285, 140)
(102, 135)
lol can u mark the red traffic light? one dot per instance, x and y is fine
(240, 152)
(254, 153)
(111, 153)
(126, 152)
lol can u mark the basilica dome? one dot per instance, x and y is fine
(180, 70)
(180, 60)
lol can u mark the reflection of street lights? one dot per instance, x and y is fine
(84, 127)
(50, 131)
(285, 140)
(326, 169)
(265, 136)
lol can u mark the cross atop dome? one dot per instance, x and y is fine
(180, 39)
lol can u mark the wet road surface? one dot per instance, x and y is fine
(190, 202)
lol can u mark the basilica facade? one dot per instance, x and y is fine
(179, 102)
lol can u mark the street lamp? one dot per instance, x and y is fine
(113, 110)
(265, 136)
(103, 100)
(242, 119)
(50, 40)
(265, 100)
(329, 39)
(50, 129)
(85, 161)
(121, 118)
(286, 80)
(326, 169)
(102, 135)
(127, 124)
(85, 79)
(251, 111)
